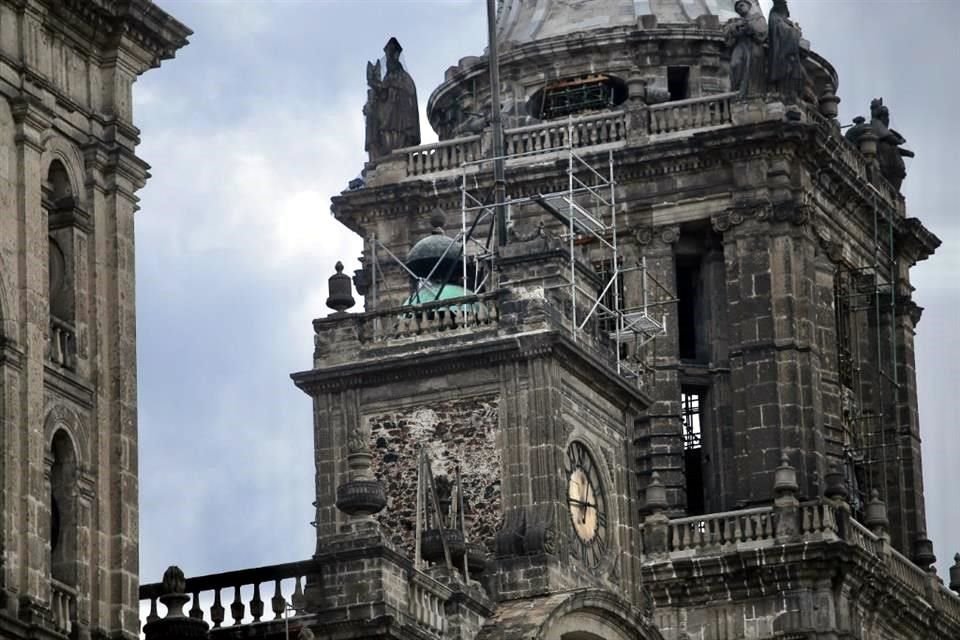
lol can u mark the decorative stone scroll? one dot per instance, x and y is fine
(795, 213)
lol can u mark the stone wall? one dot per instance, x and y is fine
(462, 431)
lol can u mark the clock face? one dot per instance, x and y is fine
(587, 504)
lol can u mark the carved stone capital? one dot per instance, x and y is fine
(645, 234)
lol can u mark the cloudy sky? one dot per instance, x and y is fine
(257, 123)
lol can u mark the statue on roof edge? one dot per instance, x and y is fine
(745, 35)
(785, 73)
(392, 115)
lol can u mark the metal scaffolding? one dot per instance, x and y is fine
(587, 214)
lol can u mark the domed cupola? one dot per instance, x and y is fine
(561, 58)
(521, 21)
(436, 261)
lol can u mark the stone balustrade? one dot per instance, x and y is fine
(63, 606)
(859, 536)
(585, 131)
(819, 520)
(850, 157)
(442, 156)
(818, 517)
(425, 606)
(728, 528)
(689, 115)
(63, 343)
(902, 569)
(242, 592)
(439, 318)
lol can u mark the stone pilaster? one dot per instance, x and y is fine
(774, 361)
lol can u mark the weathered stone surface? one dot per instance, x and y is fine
(68, 434)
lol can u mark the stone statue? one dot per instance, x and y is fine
(392, 116)
(745, 35)
(373, 143)
(889, 152)
(785, 73)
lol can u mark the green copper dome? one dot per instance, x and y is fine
(427, 293)
(424, 255)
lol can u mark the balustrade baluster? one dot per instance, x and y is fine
(195, 610)
(278, 603)
(256, 603)
(817, 523)
(216, 611)
(674, 537)
(237, 607)
(153, 611)
(297, 600)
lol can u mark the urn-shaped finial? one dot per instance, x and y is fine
(836, 488)
(868, 143)
(341, 292)
(829, 101)
(923, 552)
(656, 494)
(785, 478)
(875, 516)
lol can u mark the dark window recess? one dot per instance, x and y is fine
(678, 82)
(688, 292)
(691, 418)
(577, 95)
(841, 308)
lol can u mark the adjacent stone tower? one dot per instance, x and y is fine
(68, 397)
(671, 396)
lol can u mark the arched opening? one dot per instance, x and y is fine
(58, 197)
(63, 509)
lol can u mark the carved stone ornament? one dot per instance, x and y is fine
(643, 234)
(669, 235)
(357, 441)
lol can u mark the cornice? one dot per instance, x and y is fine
(418, 361)
(108, 23)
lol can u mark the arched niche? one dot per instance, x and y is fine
(589, 614)
(596, 615)
(64, 509)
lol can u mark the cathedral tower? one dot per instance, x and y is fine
(68, 422)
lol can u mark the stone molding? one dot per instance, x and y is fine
(797, 214)
(60, 416)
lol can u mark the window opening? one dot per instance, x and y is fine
(688, 292)
(691, 406)
(63, 513)
(678, 82)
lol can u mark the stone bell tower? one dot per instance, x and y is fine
(68, 399)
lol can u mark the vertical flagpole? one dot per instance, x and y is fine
(499, 180)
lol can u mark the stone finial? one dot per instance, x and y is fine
(341, 293)
(438, 221)
(174, 580)
(176, 624)
(876, 514)
(836, 488)
(868, 143)
(829, 101)
(955, 574)
(923, 554)
(656, 494)
(785, 478)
